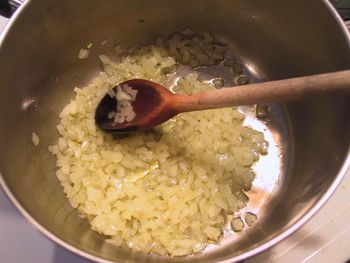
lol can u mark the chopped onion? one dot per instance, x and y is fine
(84, 53)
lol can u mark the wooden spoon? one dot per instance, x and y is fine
(154, 104)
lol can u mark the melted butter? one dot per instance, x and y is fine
(133, 177)
(268, 167)
(221, 157)
(257, 198)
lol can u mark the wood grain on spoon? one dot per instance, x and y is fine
(155, 104)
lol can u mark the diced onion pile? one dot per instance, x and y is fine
(83, 53)
(167, 191)
(124, 112)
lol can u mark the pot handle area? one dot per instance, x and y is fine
(8, 7)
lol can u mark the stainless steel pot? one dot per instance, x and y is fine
(276, 39)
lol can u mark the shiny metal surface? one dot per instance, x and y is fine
(15, 4)
(275, 39)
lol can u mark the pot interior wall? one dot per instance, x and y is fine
(278, 39)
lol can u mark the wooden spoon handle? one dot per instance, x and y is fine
(337, 83)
